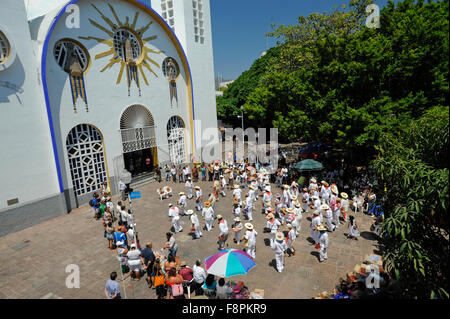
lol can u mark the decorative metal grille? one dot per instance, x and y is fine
(4, 48)
(64, 49)
(175, 135)
(86, 158)
(135, 139)
(137, 128)
(120, 38)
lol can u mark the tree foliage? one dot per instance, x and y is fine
(333, 79)
(414, 170)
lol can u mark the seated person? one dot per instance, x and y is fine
(170, 263)
(186, 272)
(223, 291)
(210, 284)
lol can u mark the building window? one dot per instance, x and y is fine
(71, 56)
(127, 45)
(86, 158)
(197, 11)
(176, 138)
(168, 12)
(5, 49)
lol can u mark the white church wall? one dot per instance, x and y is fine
(107, 100)
(28, 170)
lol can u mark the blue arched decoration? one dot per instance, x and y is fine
(44, 81)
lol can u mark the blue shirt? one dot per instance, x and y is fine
(96, 203)
(212, 287)
(119, 236)
(112, 287)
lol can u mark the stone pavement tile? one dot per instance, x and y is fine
(78, 238)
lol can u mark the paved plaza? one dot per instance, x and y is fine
(34, 260)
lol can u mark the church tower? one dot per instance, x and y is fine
(191, 22)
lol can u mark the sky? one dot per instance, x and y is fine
(239, 28)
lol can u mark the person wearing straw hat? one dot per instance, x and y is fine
(189, 186)
(315, 203)
(174, 215)
(334, 194)
(312, 183)
(237, 192)
(285, 196)
(208, 215)
(325, 192)
(223, 231)
(249, 206)
(251, 192)
(237, 211)
(291, 236)
(293, 190)
(336, 213)
(323, 242)
(279, 208)
(182, 202)
(250, 237)
(224, 185)
(195, 223)
(293, 200)
(267, 199)
(326, 210)
(267, 185)
(345, 204)
(315, 222)
(298, 217)
(291, 218)
(198, 198)
(237, 229)
(280, 247)
(305, 199)
(272, 224)
(254, 184)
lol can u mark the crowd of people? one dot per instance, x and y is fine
(246, 183)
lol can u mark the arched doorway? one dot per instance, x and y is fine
(175, 136)
(87, 158)
(137, 129)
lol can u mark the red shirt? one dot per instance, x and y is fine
(186, 273)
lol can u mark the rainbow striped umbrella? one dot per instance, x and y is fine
(229, 262)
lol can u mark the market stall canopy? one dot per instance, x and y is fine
(308, 165)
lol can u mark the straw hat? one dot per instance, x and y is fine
(181, 193)
(237, 219)
(289, 226)
(294, 184)
(297, 204)
(305, 189)
(269, 216)
(251, 187)
(108, 198)
(219, 217)
(189, 177)
(313, 180)
(183, 263)
(248, 226)
(290, 210)
(235, 202)
(236, 186)
(321, 228)
(314, 197)
(207, 204)
(197, 187)
(316, 213)
(267, 188)
(325, 183)
(119, 243)
(267, 182)
(324, 206)
(170, 205)
(190, 211)
(279, 236)
(221, 176)
(286, 186)
(294, 197)
(344, 195)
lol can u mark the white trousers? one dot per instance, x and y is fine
(323, 253)
(198, 233)
(314, 236)
(336, 219)
(249, 213)
(272, 236)
(330, 225)
(177, 226)
(209, 223)
(251, 250)
(279, 258)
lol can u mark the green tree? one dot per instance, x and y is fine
(413, 168)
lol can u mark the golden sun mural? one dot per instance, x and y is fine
(127, 47)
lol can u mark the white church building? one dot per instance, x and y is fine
(93, 89)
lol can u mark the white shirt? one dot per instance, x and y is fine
(291, 236)
(199, 274)
(251, 237)
(315, 222)
(273, 226)
(267, 198)
(208, 213)
(323, 240)
(279, 247)
(173, 213)
(182, 201)
(122, 186)
(237, 192)
(249, 201)
(223, 227)
(194, 220)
